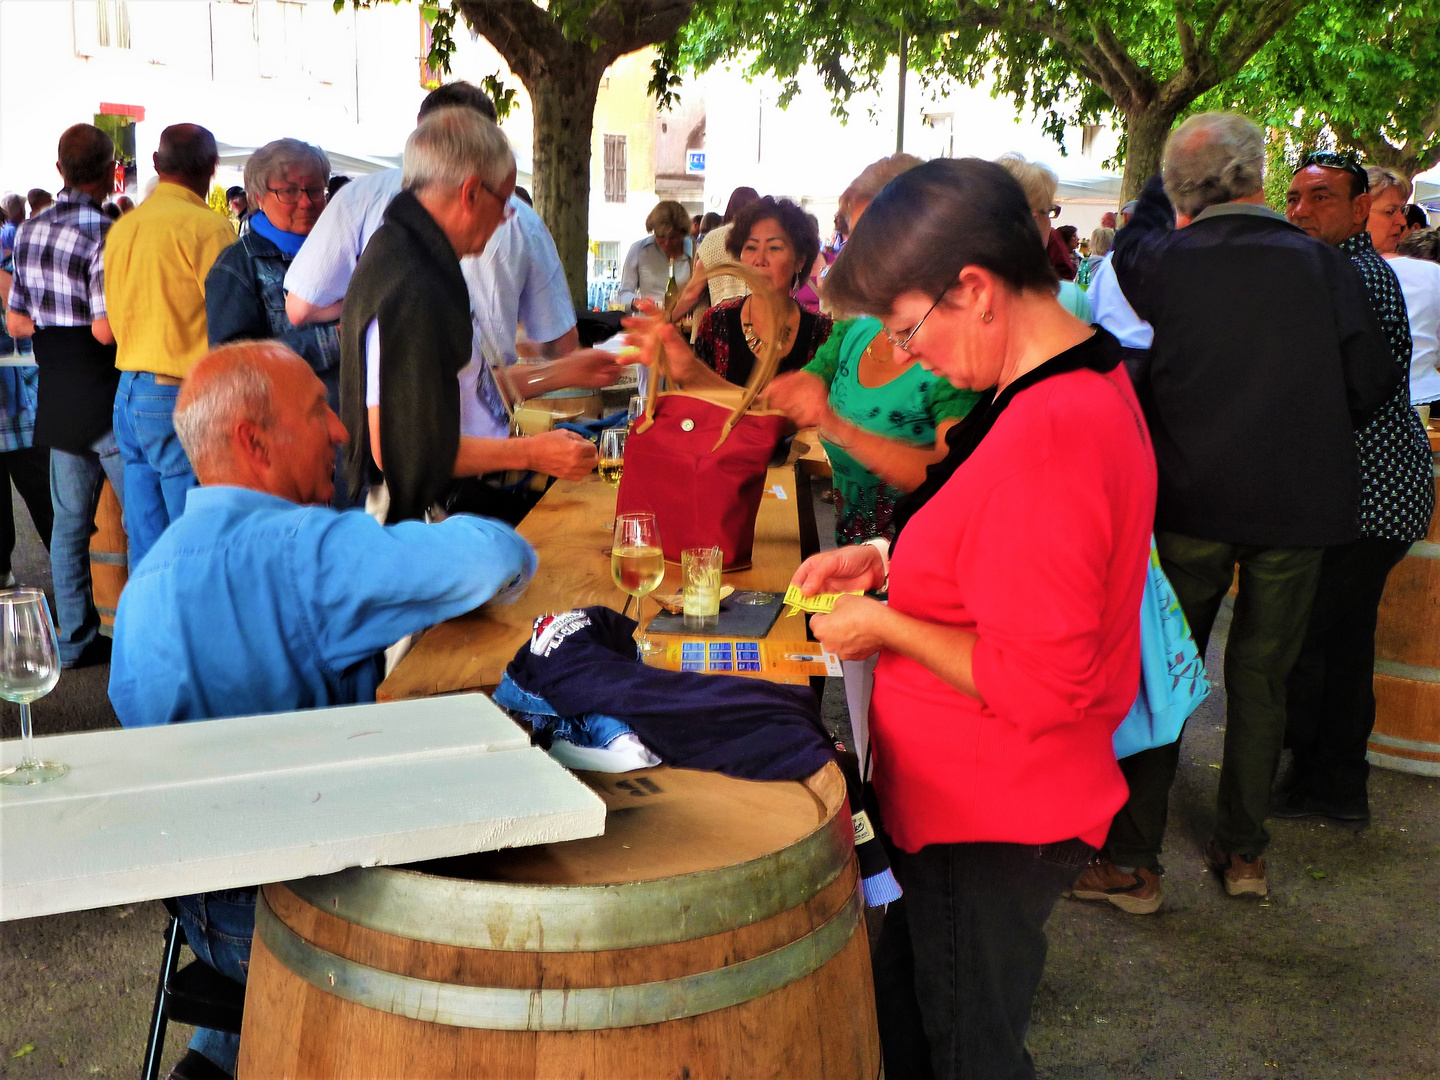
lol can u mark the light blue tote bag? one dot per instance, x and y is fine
(1172, 671)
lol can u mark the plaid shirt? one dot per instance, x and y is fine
(59, 280)
(19, 391)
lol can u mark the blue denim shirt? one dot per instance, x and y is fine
(245, 300)
(251, 604)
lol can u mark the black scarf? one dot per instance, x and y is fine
(409, 278)
(1099, 352)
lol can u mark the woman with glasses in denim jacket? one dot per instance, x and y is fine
(285, 186)
(1009, 649)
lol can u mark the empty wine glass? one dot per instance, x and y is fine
(29, 669)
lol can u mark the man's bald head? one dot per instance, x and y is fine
(252, 414)
(233, 383)
(187, 155)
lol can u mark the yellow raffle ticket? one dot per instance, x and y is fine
(819, 604)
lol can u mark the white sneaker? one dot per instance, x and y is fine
(624, 753)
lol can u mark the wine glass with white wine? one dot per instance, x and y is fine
(29, 669)
(612, 455)
(637, 564)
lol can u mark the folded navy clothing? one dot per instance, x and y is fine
(584, 662)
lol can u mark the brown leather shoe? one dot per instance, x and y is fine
(1137, 893)
(1243, 875)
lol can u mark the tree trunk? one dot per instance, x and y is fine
(1146, 129)
(564, 120)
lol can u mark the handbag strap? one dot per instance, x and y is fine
(761, 292)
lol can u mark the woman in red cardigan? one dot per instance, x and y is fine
(1010, 645)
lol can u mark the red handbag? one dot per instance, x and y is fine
(697, 461)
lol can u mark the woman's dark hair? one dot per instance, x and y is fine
(799, 226)
(1421, 244)
(711, 221)
(739, 199)
(1068, 233)
(1415, 215)
(930, 223)
(459, 93)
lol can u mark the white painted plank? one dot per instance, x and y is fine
(115, 761)
(157, 812)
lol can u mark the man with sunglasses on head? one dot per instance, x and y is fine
(156, 259)
(1330, 698)
(1264, 362)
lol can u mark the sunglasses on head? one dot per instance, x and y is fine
(1336, 159)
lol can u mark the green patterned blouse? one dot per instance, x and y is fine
(908, 408)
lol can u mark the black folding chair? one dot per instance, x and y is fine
(196, 994)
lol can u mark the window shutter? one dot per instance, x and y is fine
(617, 181)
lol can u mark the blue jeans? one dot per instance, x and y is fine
(157, 472)
(75, 483)
(219, 927)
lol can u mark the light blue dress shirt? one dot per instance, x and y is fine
(249, 603)
(1110, 309)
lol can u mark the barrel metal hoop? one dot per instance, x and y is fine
(583, 918)
(579, 1009)
(1424, 549)
(1409, 672)
(1394, 742)
(1414, 766)
(110, 558)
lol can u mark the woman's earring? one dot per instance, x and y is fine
(989, 316)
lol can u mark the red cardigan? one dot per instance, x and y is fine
(1039, 543)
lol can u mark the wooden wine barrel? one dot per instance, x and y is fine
(715, 930)
(109, 555)
(1407, 658)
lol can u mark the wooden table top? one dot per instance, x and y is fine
(569, 531)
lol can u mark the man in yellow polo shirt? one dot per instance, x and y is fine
(156, 259)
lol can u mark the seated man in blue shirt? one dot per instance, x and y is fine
(261, 599)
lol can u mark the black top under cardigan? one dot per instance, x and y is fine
(409, 278)
(1266, 359)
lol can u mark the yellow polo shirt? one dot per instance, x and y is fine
(156, 258)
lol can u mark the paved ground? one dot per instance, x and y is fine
(1336, 975)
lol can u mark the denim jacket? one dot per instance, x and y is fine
(245, 299)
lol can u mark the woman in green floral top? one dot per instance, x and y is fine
(882, 419)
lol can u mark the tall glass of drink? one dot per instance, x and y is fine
(700, 577)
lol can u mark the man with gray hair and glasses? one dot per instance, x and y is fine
(517, 279)
(1265, 361)
(406, 336)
